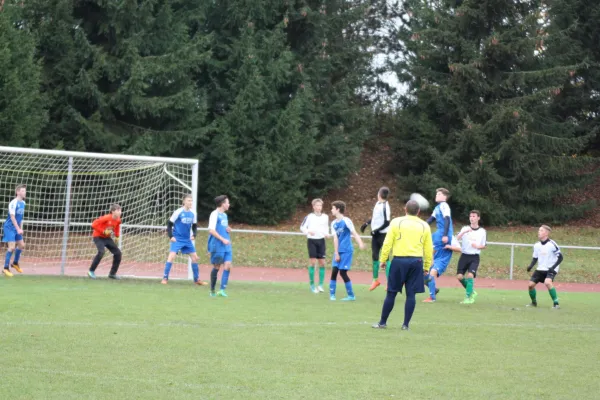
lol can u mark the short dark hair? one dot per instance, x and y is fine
(444, 191)
(412, 207)
(219, 200)
(21, 186)
(340, 205)
(114, 207)
(384, 192)
(475, 212)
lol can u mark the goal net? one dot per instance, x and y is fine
(66, 191)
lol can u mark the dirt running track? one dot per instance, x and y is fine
(285, 275)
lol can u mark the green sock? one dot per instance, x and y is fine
(387, 268)
(532, 295)
(463, 282)
(375, 270)
(553, 295)
(469, 287)
(321, 275)
(311, 275)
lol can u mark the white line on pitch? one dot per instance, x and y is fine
(184, 324)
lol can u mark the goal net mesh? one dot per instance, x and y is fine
(62, 201)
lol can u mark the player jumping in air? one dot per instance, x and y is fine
(473, 238)
(342, 230)
(441, 258)
(13, 230)
(182, 229)
(380, 222)
(316, 228)
(103, 228)
(548, 257)
(219, 245)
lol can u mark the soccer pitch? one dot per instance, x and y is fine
(71, 338)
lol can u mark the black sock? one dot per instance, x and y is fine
(409, 308)
(388, 306)
(213, 279)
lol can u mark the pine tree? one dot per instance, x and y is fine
(574, 34)
(22, 113)
(118, 75)
(259, 153)
(330, 40)
(477, 117)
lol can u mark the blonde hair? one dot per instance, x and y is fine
(547, 228)
(315, 201)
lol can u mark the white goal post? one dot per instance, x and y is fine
(67, 190)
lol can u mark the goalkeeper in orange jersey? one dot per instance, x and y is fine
(104, 227)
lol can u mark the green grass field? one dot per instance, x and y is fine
(68, 338)
(290, 252)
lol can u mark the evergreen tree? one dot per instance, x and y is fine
(118, 75)
(259, 152)
(22, 113)
(477, 117)
(331, 40)
(574, 34)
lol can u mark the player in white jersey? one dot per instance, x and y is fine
(380, 222)
(547, 256)
(473, 240)
(316, 228)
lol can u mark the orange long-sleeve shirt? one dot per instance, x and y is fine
(105, 222)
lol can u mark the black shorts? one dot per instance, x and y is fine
(316, 248)
(376, 245)
(468, 263)
(407, 272)
(541, 276)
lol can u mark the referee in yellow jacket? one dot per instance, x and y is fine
(409, 240)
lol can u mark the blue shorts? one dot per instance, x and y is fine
(406, 272)
(219, 258)
(345, 261)
(185, 247)
(441, 260)
(11, 235)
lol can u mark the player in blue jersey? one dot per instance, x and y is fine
(342, 230)
(13, 230)
(182, 229)
(219, 245)
(442, 236)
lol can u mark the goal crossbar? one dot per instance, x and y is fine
(80, 154)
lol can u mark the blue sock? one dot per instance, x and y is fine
(7, 259)
(17, 256)
(332, 287)
(431, 285)
(195, 271)
(409, 307)
(349, 289)
(224, 279)
(168, 266)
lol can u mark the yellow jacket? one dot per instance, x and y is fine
(408, 236)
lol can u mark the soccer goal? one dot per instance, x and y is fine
(67, 190)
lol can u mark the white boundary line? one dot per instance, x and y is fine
(194, 325)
